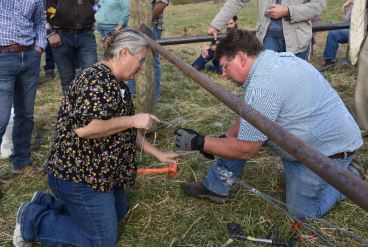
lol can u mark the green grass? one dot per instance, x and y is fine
(160, 214)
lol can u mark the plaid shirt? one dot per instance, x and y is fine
(22, 22)
(158, 22)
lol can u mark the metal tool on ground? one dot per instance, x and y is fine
(236, 231)
(171, 170)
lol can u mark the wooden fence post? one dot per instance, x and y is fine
(141, 13)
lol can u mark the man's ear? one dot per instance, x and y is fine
(242, 55)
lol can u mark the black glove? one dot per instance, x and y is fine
(188, 139)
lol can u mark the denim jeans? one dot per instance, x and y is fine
(49, 59)
(201, 62)
(156, 67)
(307, 195)
(76, 48)
(19, 79)
(76, 216)
(277, 44)
(334, 38)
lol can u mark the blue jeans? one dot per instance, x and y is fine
(201, 62)
(156, 67)
(49, 59)
(334, 38)
(76, 216)
(277, 44)
(307, 194)
(19, 78)
(76, 48)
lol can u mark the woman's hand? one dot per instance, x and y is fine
(145, 121)
(167, 157)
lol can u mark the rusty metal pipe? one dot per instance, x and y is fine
(205, 38)
(350, 185)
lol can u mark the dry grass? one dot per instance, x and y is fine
(160, 214)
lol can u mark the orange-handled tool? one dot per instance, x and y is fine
(171, 170)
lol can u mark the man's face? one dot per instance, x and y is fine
(236, 68)
(230, 24)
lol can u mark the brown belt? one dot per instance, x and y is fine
(341, 155)
(14, 48)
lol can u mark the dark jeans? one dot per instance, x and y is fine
(277, 44)
(76, 48)
(334, 38)
(76, 216)
(49, 59)
(19, 78)
(201, 62)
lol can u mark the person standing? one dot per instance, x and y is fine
(282, 25)
(359, 54)
(158, 7)
(111, 16)
(71, 36)
(22, 41)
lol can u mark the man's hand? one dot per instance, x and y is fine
(38, 49)
(54, 40)
(276, 11)
(188, 139)
(212, 31)
(346, 5)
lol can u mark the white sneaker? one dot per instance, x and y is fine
(18, 240)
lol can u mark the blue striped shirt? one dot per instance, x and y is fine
(22, 22)
(291, 92)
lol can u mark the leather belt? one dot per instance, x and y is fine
(73, 30)
(14, 48)
(341, 155)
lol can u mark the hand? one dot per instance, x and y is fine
(38, 49)
(168, 157)
(188, 139)
(346, 5)
(212, 31)
(117, 28)
(276, 11)
(54, 40)
(145, 121)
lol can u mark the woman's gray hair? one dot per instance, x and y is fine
(125, 38)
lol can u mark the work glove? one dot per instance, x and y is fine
(189, 140)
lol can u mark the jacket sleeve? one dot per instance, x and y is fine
(306, 11)
(230, 8)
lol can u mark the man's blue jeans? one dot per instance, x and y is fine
(19, 79)
(76, 48)
(49, 58)
(201, 62)
(156, 67)
(277, 44)
(307, 195)
(334, 38)
(105, 29)
(76, 216)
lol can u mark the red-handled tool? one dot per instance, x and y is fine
(171, 170)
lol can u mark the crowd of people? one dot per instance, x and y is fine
(92, 156)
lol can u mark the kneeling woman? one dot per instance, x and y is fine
(92, 156)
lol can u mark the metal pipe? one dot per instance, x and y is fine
(205, 38)
(350, 185)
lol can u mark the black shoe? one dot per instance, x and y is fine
(198, 190)
(362, 169)
(330, 62)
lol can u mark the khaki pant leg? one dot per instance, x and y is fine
(361, 90)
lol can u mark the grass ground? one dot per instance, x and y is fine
(160, 214)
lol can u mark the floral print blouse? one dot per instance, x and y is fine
(101, 163)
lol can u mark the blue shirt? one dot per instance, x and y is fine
(22, 22)
(291, 92)
(113, 12)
